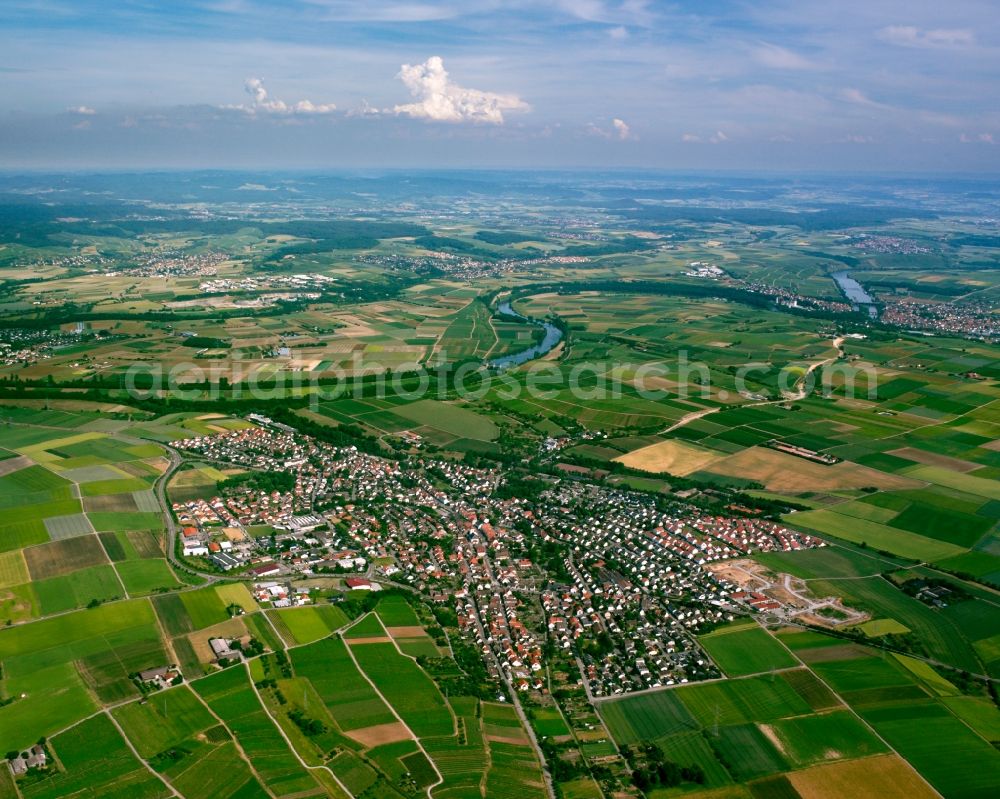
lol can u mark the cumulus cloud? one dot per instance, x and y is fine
(910, 36)
(366, 109)
(619, 33)
(82, 110)
(619, 129)
(441, 100)
(622, 129)
(261, 101)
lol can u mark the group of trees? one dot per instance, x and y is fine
(260, 481)
(651, 769)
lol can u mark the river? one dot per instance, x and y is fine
(553, 335)
(855, 292)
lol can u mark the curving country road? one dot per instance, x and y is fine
(160, 488)
(800, 392)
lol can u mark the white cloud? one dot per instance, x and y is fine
(856, 138)
(619, 33)
(441, 100)
(619, 130)
(977, 138)
(261, 101)
(910, 36)
(622, 129)
(716, 138)
(82, 110)
(352, 11)
(366, 109)
(631, 12)
(771, 55)
(858, 97)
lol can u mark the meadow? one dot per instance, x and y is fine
(740, 650)
(307, 624)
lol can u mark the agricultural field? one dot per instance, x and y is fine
(117, 772)
(415, 539)
(954, 635)
(166, 721)
(406, 687)
(307, 624)
(232, 698)
(805, 725)
(743, 649)
(83, 504)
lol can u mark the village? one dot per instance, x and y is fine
(170, 263)
(618, 578)
(23, 346)
(974, 320)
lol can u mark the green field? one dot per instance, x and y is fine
(369, 626)
(450, 418)
(349, 697)
(746, 752)
(231, 696)
(833, 736)
(395, 611)
(739, 651)
(214, 769)
(407, 688)
(146, 576)
(729, 702)
(548, 722)
(53, 698)
(646, 717)
(167, 719)
(78, 589)
(307, 624)
(945, 751)
(173, 614)
(875, 535)
(204, 607)
(116, 773)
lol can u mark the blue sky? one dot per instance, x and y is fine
(849, 85)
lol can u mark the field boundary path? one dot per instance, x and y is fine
(388, 704)
(288, 740)
(855, 713)
(142, 760)
(800, 392)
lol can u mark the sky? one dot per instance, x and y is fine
(820, 85)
